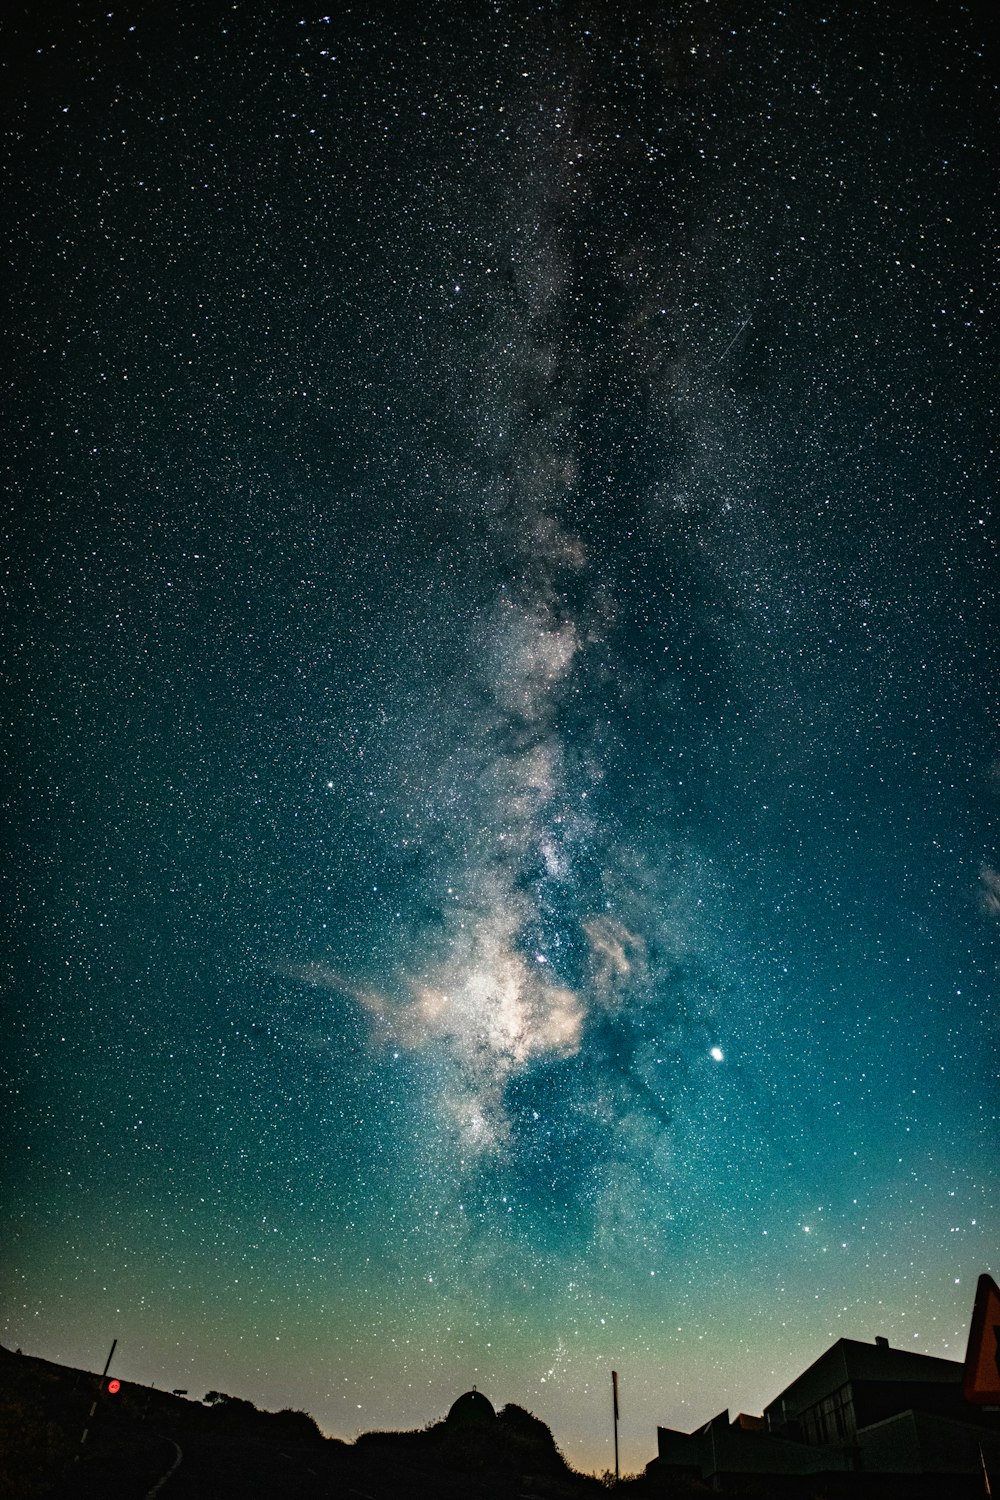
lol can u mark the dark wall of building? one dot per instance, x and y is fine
(853, 1384)
(922, 1443)
(834, 1419)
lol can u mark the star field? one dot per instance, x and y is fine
(501, 714)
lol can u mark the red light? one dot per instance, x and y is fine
(114, 1386)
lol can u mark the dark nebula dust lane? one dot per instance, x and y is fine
(501, 700)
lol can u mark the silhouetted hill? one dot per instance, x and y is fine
(513, 1450)
(226, 1447)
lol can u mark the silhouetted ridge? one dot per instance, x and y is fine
(235, 1414)
(232, 1450)
(473, 1440)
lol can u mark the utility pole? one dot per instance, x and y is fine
(614, 1400)
(93, 1404)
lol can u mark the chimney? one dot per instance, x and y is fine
(880, 1342)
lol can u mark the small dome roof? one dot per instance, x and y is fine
(471, 1410)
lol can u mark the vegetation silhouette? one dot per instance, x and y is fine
(234, 1414)
(231, 1448)
(513, 1445)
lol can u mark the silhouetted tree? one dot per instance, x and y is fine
(294, 1426)
(231, 1411)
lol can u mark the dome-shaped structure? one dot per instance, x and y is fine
(471, 1410)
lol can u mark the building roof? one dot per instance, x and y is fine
(851, 1360)
(471, 1410)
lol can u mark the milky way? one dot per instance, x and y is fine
(531, 956)
(502, 702)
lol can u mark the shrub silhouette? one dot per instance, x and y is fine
(288, 1426)
(231, 1412)
(531, 1439)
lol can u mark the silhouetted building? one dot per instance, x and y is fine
(861, 1409)
(471, 1410)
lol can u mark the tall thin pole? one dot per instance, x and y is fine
(93, 1404)
(107, 1362)
(614, 1398)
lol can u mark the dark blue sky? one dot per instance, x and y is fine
(502, 700)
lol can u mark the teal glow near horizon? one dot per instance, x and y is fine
(502, 705)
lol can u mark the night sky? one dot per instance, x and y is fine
(500, 701)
